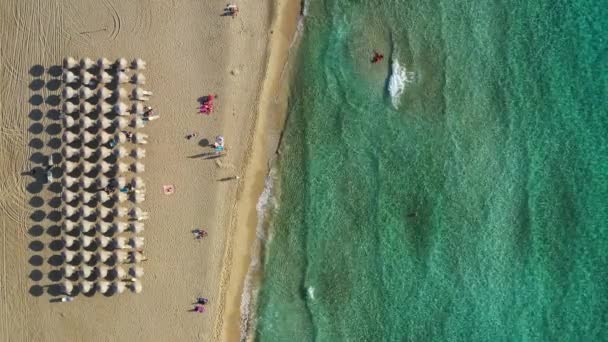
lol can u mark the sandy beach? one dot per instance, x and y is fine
(191, 50)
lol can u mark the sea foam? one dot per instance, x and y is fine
(397, 82)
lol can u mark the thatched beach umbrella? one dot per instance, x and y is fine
(86, 197)
(140, 138)
(68, 256)
(104, 212)
(69, 107)
(103, 227)
(103, 286)
(87, 79)
(69, 77)
(138, 167)
(121, 77)
(86, 93)
(103, 196)
(121, 152)
(87, 167)
(70, 63)
(104, 64)
(138, 183)
(103, 92)
(86, 271)
(67, 287)
(86, 182)
(86, 107)
(68, 181)
(104, 152)
(86, 287)
(121, 64)
(87, 227)
(120, 109)
(87, 137)
(87, 152)
(86, 123)
(138, 79)
(69, 241)
(121, 122)
(121, 181)
(138, 122)
(104, 137)
(120, 227)
(121, 197)
(120, 256)
(68, 196)
(138, 153)
(137, 108)
(136, 286)
(68, 211)
(68, 121)
(139, 197)
(121, 137)
(105, 123)
(137, 257)
(136, 227)
(121, 167)
(103, 256)
(70, 152)
(69, 270)
(141, 94)
(137, 242)
(104, 77)
(102, 181)
(118, 287)
(87, 241)
(101, 271)
(69, 137)
(70, 166)
(136, 271)
(104, 167)
(104, 108)
(86, 211)
(121, 242)
(103, 241)
(68, 93)
(138, 64)
(87, 63)
(119, 272)
(69, 226)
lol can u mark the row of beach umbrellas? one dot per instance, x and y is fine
(116, 272)
(101, 227)
(76, 213)
(103, 256)
(121, 64)
(118, 108)
(102, 286)
(120, 242)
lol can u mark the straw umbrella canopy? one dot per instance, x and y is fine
(69, 226)
(138, 153)
(104, 108)
(86, 286)
(69, 77)
(86, 122)
(121, 122)
(104, 152)
(68, 196)
(103, 227)
(121, 152)
(138, 122)
(120, 109)
(86, 241)
(68, 121)
(137, 242)
(103, 197)
(86, 93)
(139, 197)
(121, 167)
(119, 272)
(69, 211)
(103, 256)
(137, 108)
(67, 287)
(69, 93)
(87, 78)
(70, 166)
(141, 94)
(69, 270)
(86, 271)
(104, 241)
(122, 182)
(138, 257)
(102, 271)
(138, 64)
(87, 152)
(87, 63)
(88, 137)
(86, 182)
(121, 137)
(70, 152)
(68, 256)
(103, 92)
(138, 79)
(68, 181)
(102, 181)
(121, 197)
(104, 64)
(104, 137)
(103, 212)
(86, 211)
(70, 63)
(121, 77)
(120, 256)
(122, 64)
(140, 138)
(121, 212)
(104, 77)
(138, 183)
(136, 212)
(136, 271)
(69, 241)
(103, 286)
(105, 123)
(87, 227)
(87, 167)
(136, 227)
(138, 167)
(121, 242)
(69, 137)
(120, 227)
(69, 107)
(86, 107)
(136, 286)
(104, 167)
(119, 287)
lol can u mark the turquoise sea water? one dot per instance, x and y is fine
(473, 206)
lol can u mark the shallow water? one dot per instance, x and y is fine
(471, 206)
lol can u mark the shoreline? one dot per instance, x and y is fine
(270, 118)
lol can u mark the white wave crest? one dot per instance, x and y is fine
(397, 82)
(311, 293)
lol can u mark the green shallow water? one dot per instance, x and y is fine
(476, 210)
